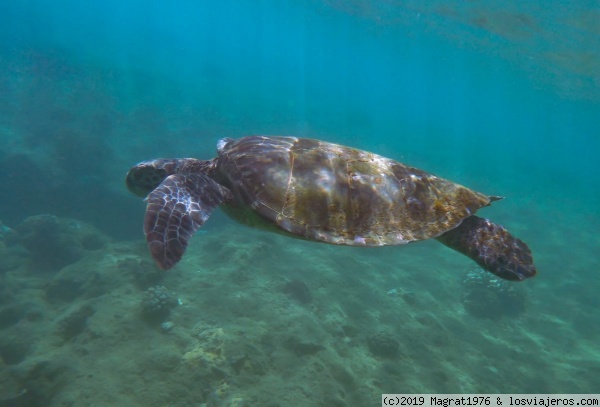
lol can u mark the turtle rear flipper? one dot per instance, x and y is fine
(176, 209)
(492, 247)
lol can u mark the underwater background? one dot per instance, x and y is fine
(502, 97)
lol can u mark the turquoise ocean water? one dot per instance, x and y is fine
(503, 97)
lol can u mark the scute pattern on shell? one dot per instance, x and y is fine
(337, 194)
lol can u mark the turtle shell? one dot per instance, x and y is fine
(336, 194)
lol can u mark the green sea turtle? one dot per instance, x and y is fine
(319, 191)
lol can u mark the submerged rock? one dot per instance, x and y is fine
(12, 257)
(299, 291)
(14, 351)
(5, 231)
(40, 381)
(303, 347)
(167, 326)
(56, 242)
(75, 322)
(145, 274)
(384, 345)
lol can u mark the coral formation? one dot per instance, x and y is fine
(157, 303)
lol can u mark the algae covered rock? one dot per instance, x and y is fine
(55, 242)
(75, 322)
(11, 256)
(384, 345)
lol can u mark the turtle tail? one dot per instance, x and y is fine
(492, 247)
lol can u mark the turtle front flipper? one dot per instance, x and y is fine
(492, 247)
(176, 209)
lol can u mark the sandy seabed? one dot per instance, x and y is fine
(257, 319)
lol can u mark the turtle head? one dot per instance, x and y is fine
(222, 143)
(147, 175)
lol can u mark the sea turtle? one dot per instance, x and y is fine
(314, 190)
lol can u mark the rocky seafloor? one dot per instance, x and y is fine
(255, 319)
